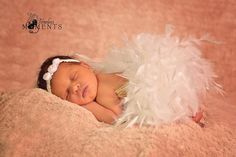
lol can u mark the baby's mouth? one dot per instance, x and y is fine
(84, 91)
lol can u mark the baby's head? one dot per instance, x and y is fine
(69, 79)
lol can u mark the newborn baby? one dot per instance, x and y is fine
(77, 82)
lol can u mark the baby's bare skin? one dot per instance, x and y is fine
(95, 91)
(106, 96)
(107, 105)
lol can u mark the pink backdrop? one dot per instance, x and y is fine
(92, 27)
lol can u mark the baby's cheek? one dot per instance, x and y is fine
(75, 99)
(91, 95)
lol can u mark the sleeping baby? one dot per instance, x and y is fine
(151, 80)
(76, 81)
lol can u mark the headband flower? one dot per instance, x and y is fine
(52, 69)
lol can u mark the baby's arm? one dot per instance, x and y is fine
(101, 113)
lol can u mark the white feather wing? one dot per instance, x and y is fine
(166, 77)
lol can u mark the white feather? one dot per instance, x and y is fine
(166, 77)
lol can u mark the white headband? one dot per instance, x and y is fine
(53, 68)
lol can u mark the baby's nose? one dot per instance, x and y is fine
(76, 88)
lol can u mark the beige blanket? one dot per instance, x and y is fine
(36, 123)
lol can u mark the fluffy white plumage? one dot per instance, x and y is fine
(166, 76)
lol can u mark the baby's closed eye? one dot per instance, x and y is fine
(73, 77)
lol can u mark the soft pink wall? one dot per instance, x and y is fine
(92, 26)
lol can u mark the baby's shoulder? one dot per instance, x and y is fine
(107, 85)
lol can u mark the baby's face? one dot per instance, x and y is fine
(75, 82)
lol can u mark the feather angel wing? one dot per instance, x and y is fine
(166, 77)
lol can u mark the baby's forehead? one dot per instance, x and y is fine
(65, 68)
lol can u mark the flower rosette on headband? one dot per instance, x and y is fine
(53, 68)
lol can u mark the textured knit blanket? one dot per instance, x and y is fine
(36, 123)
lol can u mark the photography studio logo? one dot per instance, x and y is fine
(35, 23)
